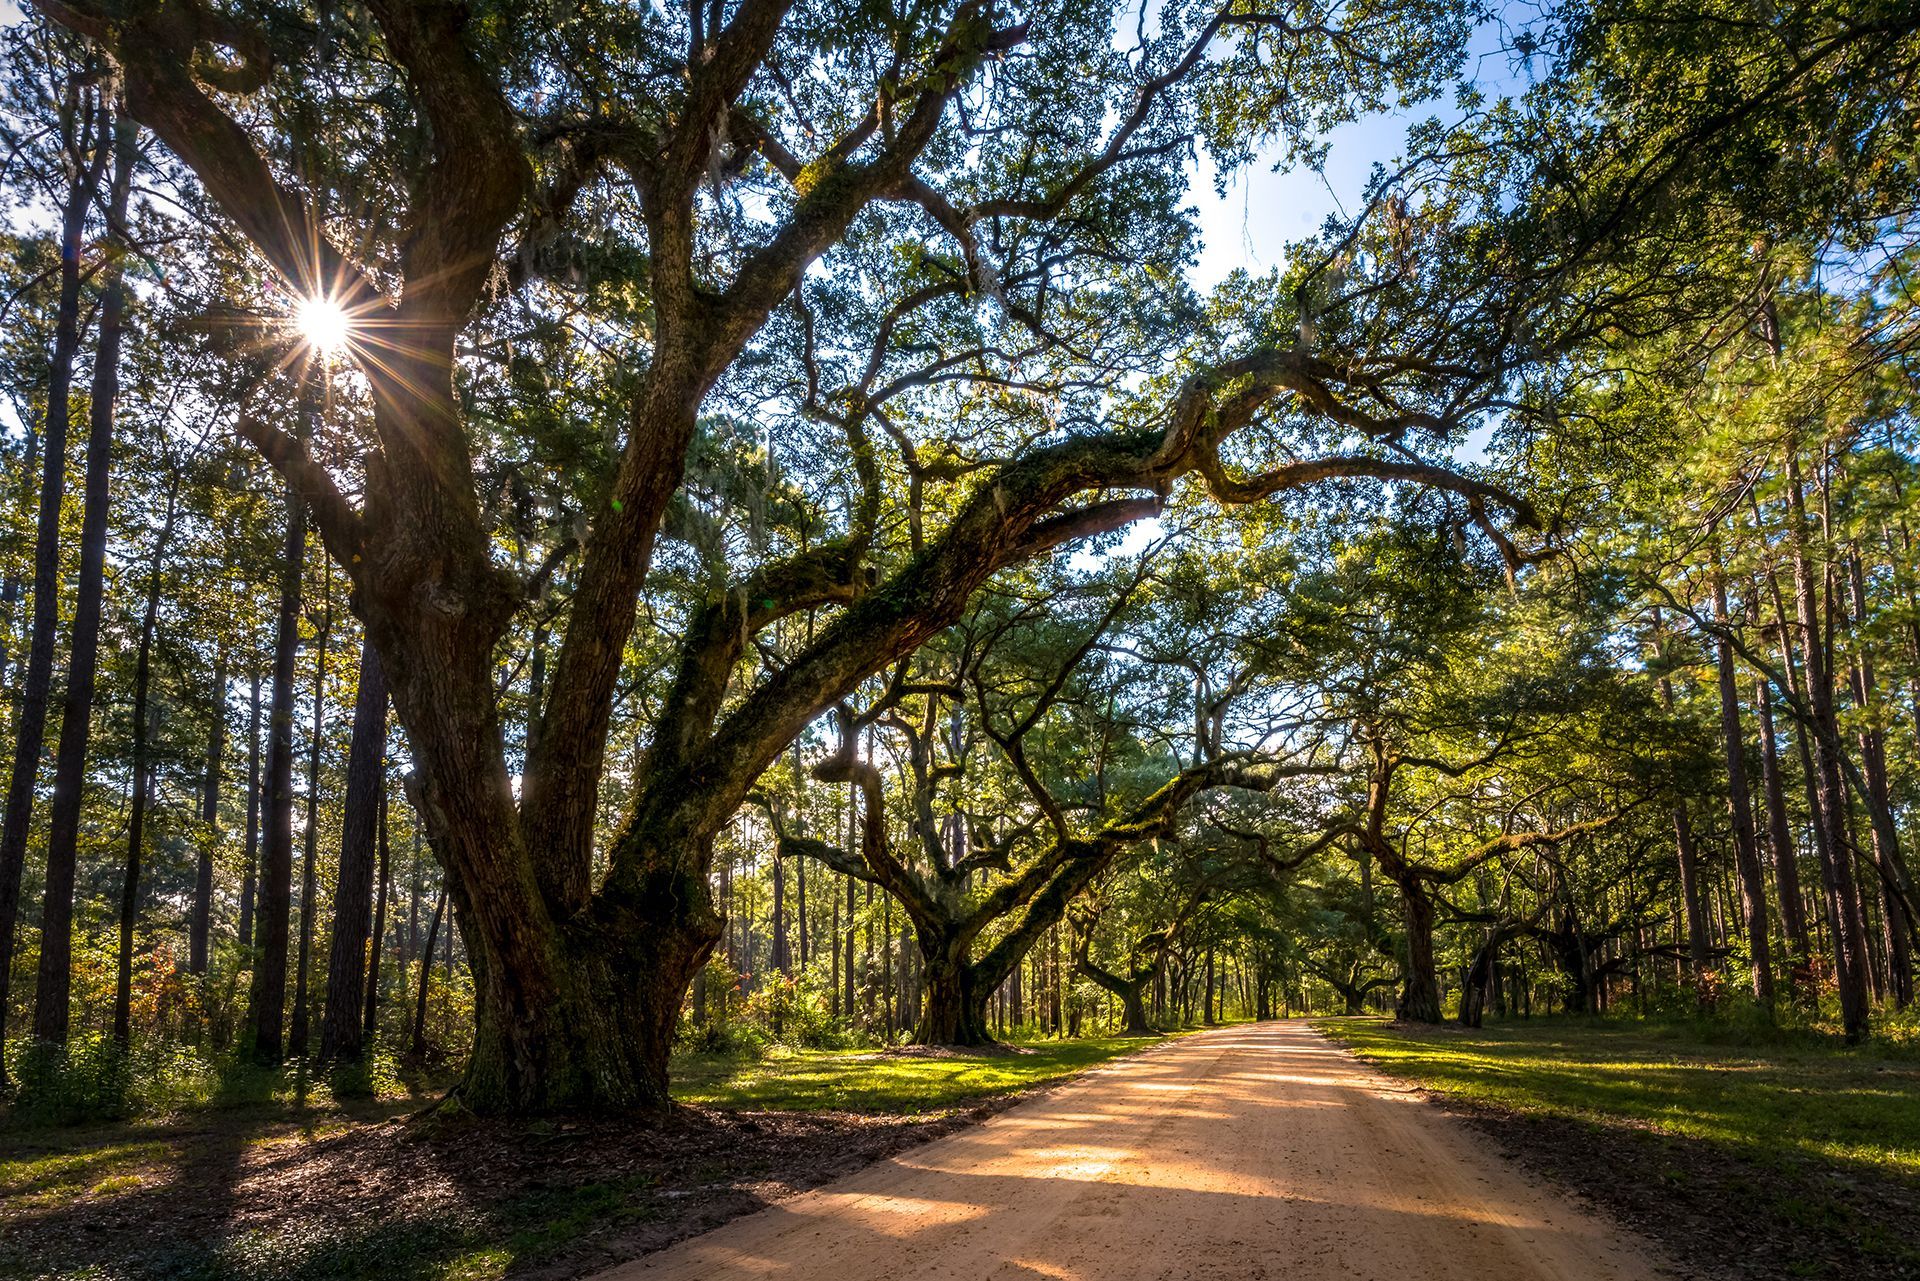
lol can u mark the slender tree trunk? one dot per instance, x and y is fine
(10, 584)
(29, 728)
(1844, 917)
(50, 1011)
(142, 781)
(1786, 862)
(249, 886)
(382, 892)
(341, 1028)
(848, 942)
(1206, 994)
(410, 938)
(1053, 981)
(202, 922)
(1016, 1013)
(1698, 947)
(418, 1046)
(268, 996)
(800, 911)
(1888, 861)
(833, 933)
(1746, 852)
(1802, 740)
(310, 842)
(780, 960)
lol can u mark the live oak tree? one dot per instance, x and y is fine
(1032, 758)
(714, 359)
(714, 178)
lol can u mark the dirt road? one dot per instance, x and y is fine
(1243, 1153)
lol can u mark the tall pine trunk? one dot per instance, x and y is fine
(342, 1026)
(417, 1045)
(142, 780)
(1887, 857)
(1786, 861)
(83, 126)
(249, 882)
(267, 998)
(1685, 854)
(202, 921)
(53, 991)
(1842, 890)
(310, 838)
(1746, 851)
(382, 892)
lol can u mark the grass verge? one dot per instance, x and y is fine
(894, 1082)
(1795, 1159)
(304, 1185)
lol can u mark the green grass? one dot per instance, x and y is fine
(1856, 1107)
(1814, 1147)
(79, 1173)
(48, 1178)
(879, 1081)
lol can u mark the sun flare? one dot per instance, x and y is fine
(323, 323)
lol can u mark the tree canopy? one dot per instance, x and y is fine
(799, 430)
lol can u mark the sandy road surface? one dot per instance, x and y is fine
(1242, 1153)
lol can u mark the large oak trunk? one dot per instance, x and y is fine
(1419, 999)
(956, 1005)
(581, 1018)
(1133, 1002)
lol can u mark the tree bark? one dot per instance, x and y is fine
(310, 838)
(1746, 852)
(955, 1012)
(1887, 857)
(1698, 947)
(342, 1026)
(52, 992)
(383, 892)
(1419, 999)
(1786, 858)
(1132, 994)
(1480, 980)
(268, 994)
(1207, 994)
(1844, 919)
(202, 921)
(417, 1045)
(249, 883)
(142, 783)
(29, 730)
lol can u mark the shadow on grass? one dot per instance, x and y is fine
(1799, 1159)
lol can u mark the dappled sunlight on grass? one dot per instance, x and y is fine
(1854, 1106)
(96, 1169)
(882, 1081)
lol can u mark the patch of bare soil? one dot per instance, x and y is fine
(228, 1198)
(1719, 1215)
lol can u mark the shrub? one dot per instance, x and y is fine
(91, 1078)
